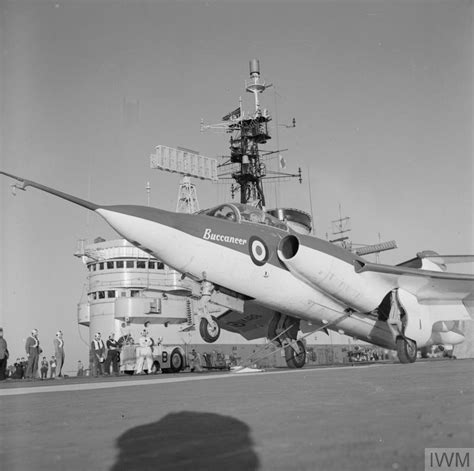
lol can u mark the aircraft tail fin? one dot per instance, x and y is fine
(24, 183)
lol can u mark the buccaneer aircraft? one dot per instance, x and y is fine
(273, 282)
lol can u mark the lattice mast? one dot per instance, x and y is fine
(249, 131)
(187, 197)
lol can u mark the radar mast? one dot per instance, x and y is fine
(246, 164)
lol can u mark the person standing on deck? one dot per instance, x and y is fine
(3, 356)
(33, 351)
(98, 352)
(58, 343)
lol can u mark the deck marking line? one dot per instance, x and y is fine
(147, 382)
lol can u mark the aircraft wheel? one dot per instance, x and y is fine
(293, 359)
(406, 350)
(209, 332)
(176, 361)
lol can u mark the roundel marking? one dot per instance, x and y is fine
(258, 251)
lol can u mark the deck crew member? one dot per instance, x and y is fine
(98, 352)
(44, 368)
(33, 351)
(3, 356)
(52, 364)
(195, 361)
(59, 352)
(144, 353)
(18, 373)
(113, 355)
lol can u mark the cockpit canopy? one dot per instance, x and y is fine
(238, 212)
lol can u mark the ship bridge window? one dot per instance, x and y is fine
(111, 293)
(130, 264)
(110, 265)
(119, 264)
(101, 265)
(93, 295)
(151, 265)
(160, 266)
(101, 294)
(134, 293)
(141, 264)
(94, 267)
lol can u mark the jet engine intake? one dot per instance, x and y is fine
(288, 247)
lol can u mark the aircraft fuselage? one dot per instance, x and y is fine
(243, 257)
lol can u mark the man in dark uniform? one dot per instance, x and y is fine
(23, 365)
(3, 356)
(33, 352)
(113, 355)
(98, 352)
(18, 373)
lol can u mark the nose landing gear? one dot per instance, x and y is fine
(209, 328)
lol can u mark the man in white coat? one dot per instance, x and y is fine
(144, 353)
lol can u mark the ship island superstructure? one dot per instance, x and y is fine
(127, 289)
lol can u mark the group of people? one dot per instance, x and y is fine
(104, 357)
(33, 352)
(105, 354)
(28, 367)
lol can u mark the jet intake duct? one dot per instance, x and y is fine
(288, 247)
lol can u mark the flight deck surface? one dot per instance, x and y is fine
(374, 417)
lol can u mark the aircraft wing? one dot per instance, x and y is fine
(427, 285)
(24, 183)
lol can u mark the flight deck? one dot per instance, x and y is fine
(371, 417)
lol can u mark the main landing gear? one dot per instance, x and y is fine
(406, 350)
(283, 331)
(295, 357)
(397, 317)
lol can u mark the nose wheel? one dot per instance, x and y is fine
(209, 329)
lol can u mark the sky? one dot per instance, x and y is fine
(381, 92)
